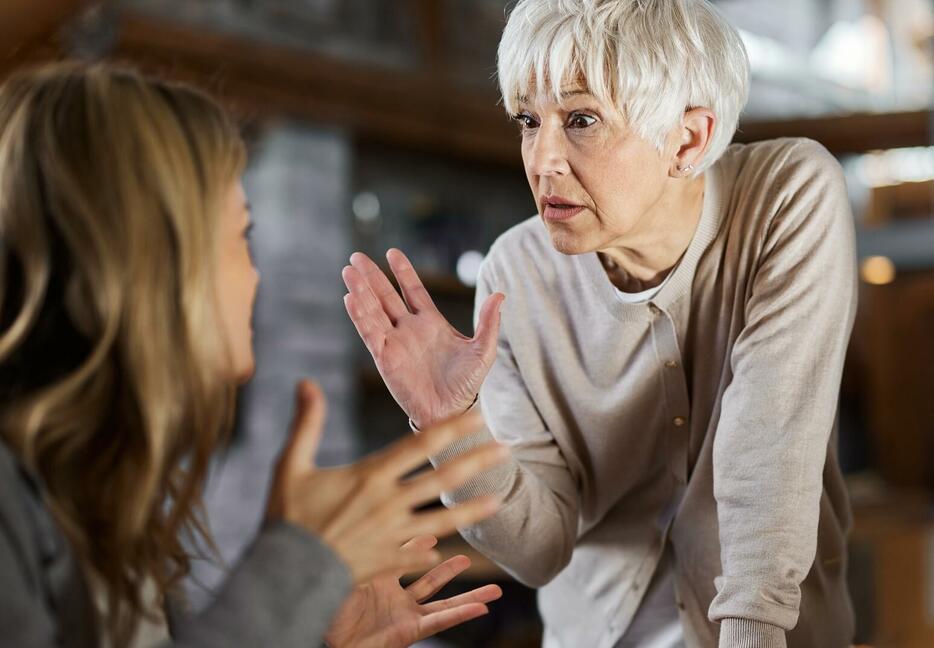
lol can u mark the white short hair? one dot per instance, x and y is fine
(653, 59)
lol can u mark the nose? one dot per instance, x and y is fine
(545, 154)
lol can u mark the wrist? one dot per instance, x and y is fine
(419, 425)
(746, 633)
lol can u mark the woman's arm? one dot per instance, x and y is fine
(430, 367)
(288, 587)
(779, 410)
(327, 529)
(283, 592)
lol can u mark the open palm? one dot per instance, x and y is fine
(383, 614)
(432, 370)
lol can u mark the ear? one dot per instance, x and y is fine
(694, 136)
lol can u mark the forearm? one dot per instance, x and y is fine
(532, 535)
(779, 411)
(284, 592)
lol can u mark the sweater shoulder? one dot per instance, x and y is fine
(781, 166)
(792, 179)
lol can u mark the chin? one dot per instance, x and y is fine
(569, 243)
(245, 374)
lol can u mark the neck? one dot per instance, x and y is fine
(642, 258)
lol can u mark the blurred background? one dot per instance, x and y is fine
(374, 123)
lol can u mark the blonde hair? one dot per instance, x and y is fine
(110, 189)
(652, 58)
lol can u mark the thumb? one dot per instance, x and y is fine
(488, 326)
(307, 426)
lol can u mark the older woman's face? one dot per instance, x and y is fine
(592, 177)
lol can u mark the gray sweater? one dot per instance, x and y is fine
(283, 592)
(703, 420)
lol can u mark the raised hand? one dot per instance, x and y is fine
(366, 511)
(383, 614)
(432, 370)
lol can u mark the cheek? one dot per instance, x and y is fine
(621, 187)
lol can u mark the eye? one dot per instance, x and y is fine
(525, 121)
(581, 120)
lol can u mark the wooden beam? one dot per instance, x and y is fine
(421, 110)
(25, 24)
(855, 133)
(414, 109)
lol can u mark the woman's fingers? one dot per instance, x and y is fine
(408, 562)
(419, 544)
(366, 304)
(447, 521)
(484, 594)
(416, 296)
(422, 543)
(307, 424)
(432, 582)
(427, 486)
(370, 327)
(488, 327)
(405, 456)
(380, 286)
(445, 619)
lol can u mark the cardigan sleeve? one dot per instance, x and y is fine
(778, 412)
(540, 496)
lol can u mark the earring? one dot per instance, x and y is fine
(686, 169)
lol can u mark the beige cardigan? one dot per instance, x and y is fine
(704, 419)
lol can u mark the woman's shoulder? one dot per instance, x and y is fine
(791, 181)
(19, 499)
(20, 502)
(14, 482)
(44, 588)
(782, 164)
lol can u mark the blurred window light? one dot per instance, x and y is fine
(366, 207)
(877, 270)
(895, 166)
(468, 267)
(855, 54)
(765, 54)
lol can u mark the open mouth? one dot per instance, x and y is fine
(559, 209)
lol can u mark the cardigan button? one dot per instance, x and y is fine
(679, 421)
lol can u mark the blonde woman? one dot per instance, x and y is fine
(672, 342)
(127, 291)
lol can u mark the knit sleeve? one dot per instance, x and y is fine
(539, 494)
(778, 412)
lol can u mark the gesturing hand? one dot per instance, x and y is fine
(381, 614)
(433, 371)
(365, 511)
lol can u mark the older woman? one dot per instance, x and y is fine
(671, 347)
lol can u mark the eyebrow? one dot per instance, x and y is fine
(565, 94)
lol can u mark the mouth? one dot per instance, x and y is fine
(557, 208)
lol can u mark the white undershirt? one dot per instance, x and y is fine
(645, 295)
(656, 623)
